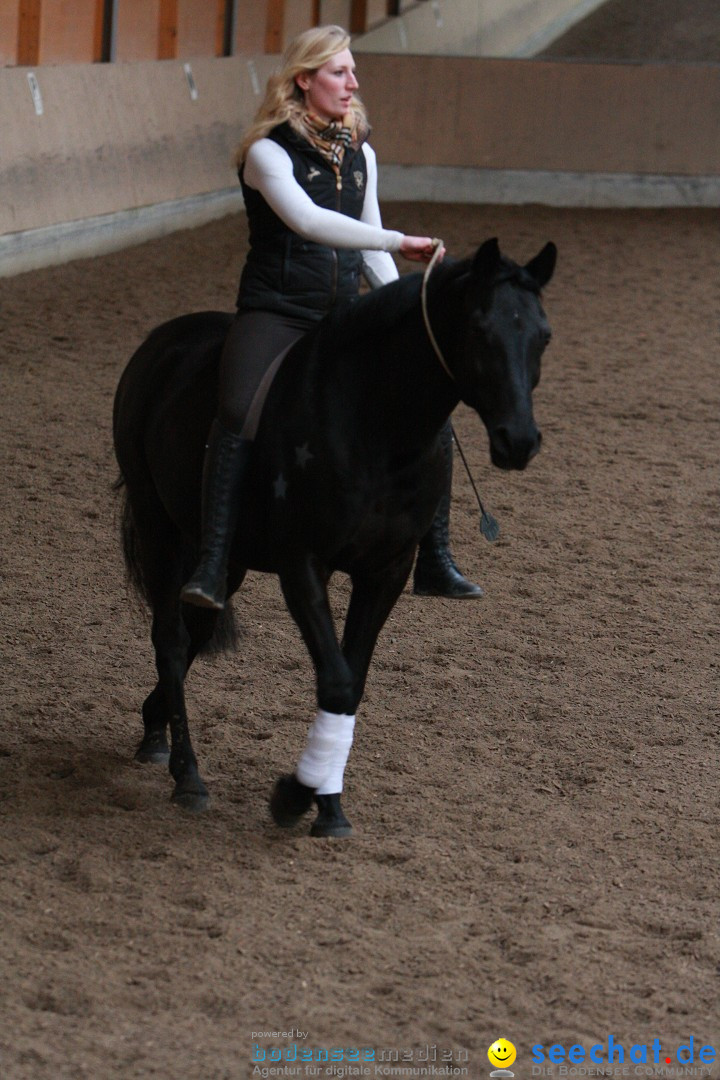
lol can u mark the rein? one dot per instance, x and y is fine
(438, 245)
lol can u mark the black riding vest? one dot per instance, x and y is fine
(284, 272)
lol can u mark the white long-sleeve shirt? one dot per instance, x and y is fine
(269, 170)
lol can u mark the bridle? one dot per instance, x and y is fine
(514, 273)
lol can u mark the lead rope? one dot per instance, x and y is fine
(438, 245)
(488, 524)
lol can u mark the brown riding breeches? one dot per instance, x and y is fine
(255, 340)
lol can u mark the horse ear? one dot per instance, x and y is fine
(487, 260)
(542, 266)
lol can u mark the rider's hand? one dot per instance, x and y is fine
(419, 248)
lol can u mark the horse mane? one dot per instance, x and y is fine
(379, 310)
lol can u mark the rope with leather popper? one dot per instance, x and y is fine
(436, 255)
(489, 526)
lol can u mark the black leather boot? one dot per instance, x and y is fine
(226, 457)
(436, 573)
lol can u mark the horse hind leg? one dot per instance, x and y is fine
(173, 656)
(190, 629)
(176, 640)
(154, 747)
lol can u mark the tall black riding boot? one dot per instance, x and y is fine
(435, 571)
(224, 467)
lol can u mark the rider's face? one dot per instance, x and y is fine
(328, 90)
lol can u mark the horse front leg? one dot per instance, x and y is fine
(374, 594)
(318, 774)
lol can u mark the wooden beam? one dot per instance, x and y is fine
(358, 16)
(274, 24)
(221, 27)
(316, 14)
(28, 38)
(103, 43)
(99, 31)
(167, 30)
(231, 27)
(227, 21)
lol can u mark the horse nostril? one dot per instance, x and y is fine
(515, 448)
(502, 441)
(535, 447)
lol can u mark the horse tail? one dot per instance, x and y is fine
(226, 632)
(129, 540)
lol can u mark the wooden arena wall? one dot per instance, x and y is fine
(543, 115)
(81, 31)
(117, 137)
(106, 154)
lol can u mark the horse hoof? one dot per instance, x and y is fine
(289, 801)
(194, 798)
(192, 801)
(331, 820)
(153, 752)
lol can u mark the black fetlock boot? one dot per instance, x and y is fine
(226, 458)
(436, 573)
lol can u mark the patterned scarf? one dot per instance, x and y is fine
(330, 139)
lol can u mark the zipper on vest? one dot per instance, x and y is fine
(334, 278)
(338, 204)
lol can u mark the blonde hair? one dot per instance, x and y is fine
(284, 100)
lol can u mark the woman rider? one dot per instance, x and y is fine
(309, 180)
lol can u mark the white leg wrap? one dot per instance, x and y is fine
(333, 783)
(323, 761)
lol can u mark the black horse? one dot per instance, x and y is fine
(346, 475)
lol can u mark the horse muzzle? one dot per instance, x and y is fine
(514, 450)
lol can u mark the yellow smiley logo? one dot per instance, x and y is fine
(502, 1053)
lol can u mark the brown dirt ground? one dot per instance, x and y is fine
(534, 779)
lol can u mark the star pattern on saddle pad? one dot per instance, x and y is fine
(302, 456)
(280, 487)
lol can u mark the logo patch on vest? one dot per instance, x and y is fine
(312, 173)
(359, 179)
